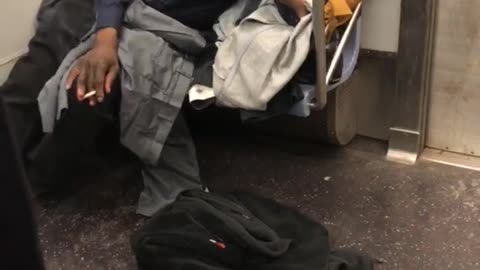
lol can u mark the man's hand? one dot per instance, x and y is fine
(98, 68)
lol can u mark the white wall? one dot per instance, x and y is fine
(17, 19)
(381, 25)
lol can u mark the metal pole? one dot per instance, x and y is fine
(343, 41)
(320, 100)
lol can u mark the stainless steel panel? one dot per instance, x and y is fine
(374, 90)
(413, 80)
(452, 159)
(403, 146)
(453, 119)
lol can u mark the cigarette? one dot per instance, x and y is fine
(90, 94)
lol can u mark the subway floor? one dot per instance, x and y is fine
(408, 217)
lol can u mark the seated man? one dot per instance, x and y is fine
(56, 156)
(97, 70)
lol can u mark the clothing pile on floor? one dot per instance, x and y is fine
(241, 231)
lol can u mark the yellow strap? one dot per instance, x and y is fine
(337, 13)
(341, 8)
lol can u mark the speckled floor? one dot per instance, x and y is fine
(410, 217)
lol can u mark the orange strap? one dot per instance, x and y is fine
(337, 13)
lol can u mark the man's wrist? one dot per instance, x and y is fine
(107, 37)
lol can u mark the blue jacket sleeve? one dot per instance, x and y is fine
(110, 12)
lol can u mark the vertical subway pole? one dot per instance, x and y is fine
(319, 36)
(407, 133)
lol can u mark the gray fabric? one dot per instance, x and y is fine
(258, 57)
(155, 78)
(228, 20)
(156, 73)
(176, 171)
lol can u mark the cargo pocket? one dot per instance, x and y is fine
(131, 104)
(165, 64)
(146, 120)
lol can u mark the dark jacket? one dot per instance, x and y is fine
(207, 231)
